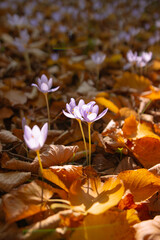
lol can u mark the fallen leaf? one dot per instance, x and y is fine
(26, 200)
(148, 230)
(94, 196)
(141, 183)
(15, 97)
(130, 127)
(108, 225)
(63, 176)
(12, 179)
(7, 137)
(107, 103)
(154, 94)
(5, 113)
(56, 155)
(132, 81)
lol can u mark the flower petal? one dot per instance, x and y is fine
(68, 114)
(54, 89)
(91, 117)
(44, 133)
(27, 132)
(101, 114)
(50, 83)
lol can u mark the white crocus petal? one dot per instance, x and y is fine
(35, 85)
(50, 83)
(77, 113)
(44, 87)
(36, 132)
(68, 114)
(101, 114)
(72, 103)
(53, 89)
(44, 132)
(91, 116)
(81, 103)
(95, 109)
(27, 132)
(44, 79)
(39, 82)
(68, 107)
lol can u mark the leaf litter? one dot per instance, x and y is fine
(92, 172)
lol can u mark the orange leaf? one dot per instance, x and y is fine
(130, 127)
(107, 103)
(110, 225)
(94, 196)
(63, 176)
(141, 183)
(152, 95)
(133, 81)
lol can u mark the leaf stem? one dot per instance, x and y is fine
(26, 56)
(48, 112)
(84, 140)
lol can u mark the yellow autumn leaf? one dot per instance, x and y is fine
(110, 225)
(133, 81)
(107, 103)
(94, 196)
(142, 183)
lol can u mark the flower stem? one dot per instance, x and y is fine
(45, 94)
(40, 163)
(84, 140)
(89, 136)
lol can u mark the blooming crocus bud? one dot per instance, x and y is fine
(146, 56)
(90, 111)
(132, 57)
(44, 85)
(98, 57)
(73, 109)
(35, 138)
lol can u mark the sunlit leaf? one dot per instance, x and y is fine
(108, 225)
(141, 183)
(132, 81)
(107, 103)
(94, 196)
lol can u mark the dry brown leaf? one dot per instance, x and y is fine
(26, 200)
(15, 97)
(56, 155)
(127, 163)
(94, 196)
(148, 230)
(7, 137)
(111, 225)
(12, 179)
(141, 183)
(5, 113)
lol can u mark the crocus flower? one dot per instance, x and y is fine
(22, 42)
(35, 138)
(90, 111)
(98, 57)
(73, 109)
(16, 20)
(132, 57)
(146, 56)
(44, 85)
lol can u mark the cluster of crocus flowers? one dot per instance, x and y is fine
(86, 113)
(44, 85)
(139, 60)
(35, 139)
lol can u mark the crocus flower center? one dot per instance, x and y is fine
(44, 87)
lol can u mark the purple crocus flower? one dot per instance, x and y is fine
(84, 112)
(146, 56)
(73, 109)
(90, 111)
(98, 57)
(44, 85)
(35, 138)
(132, 57)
